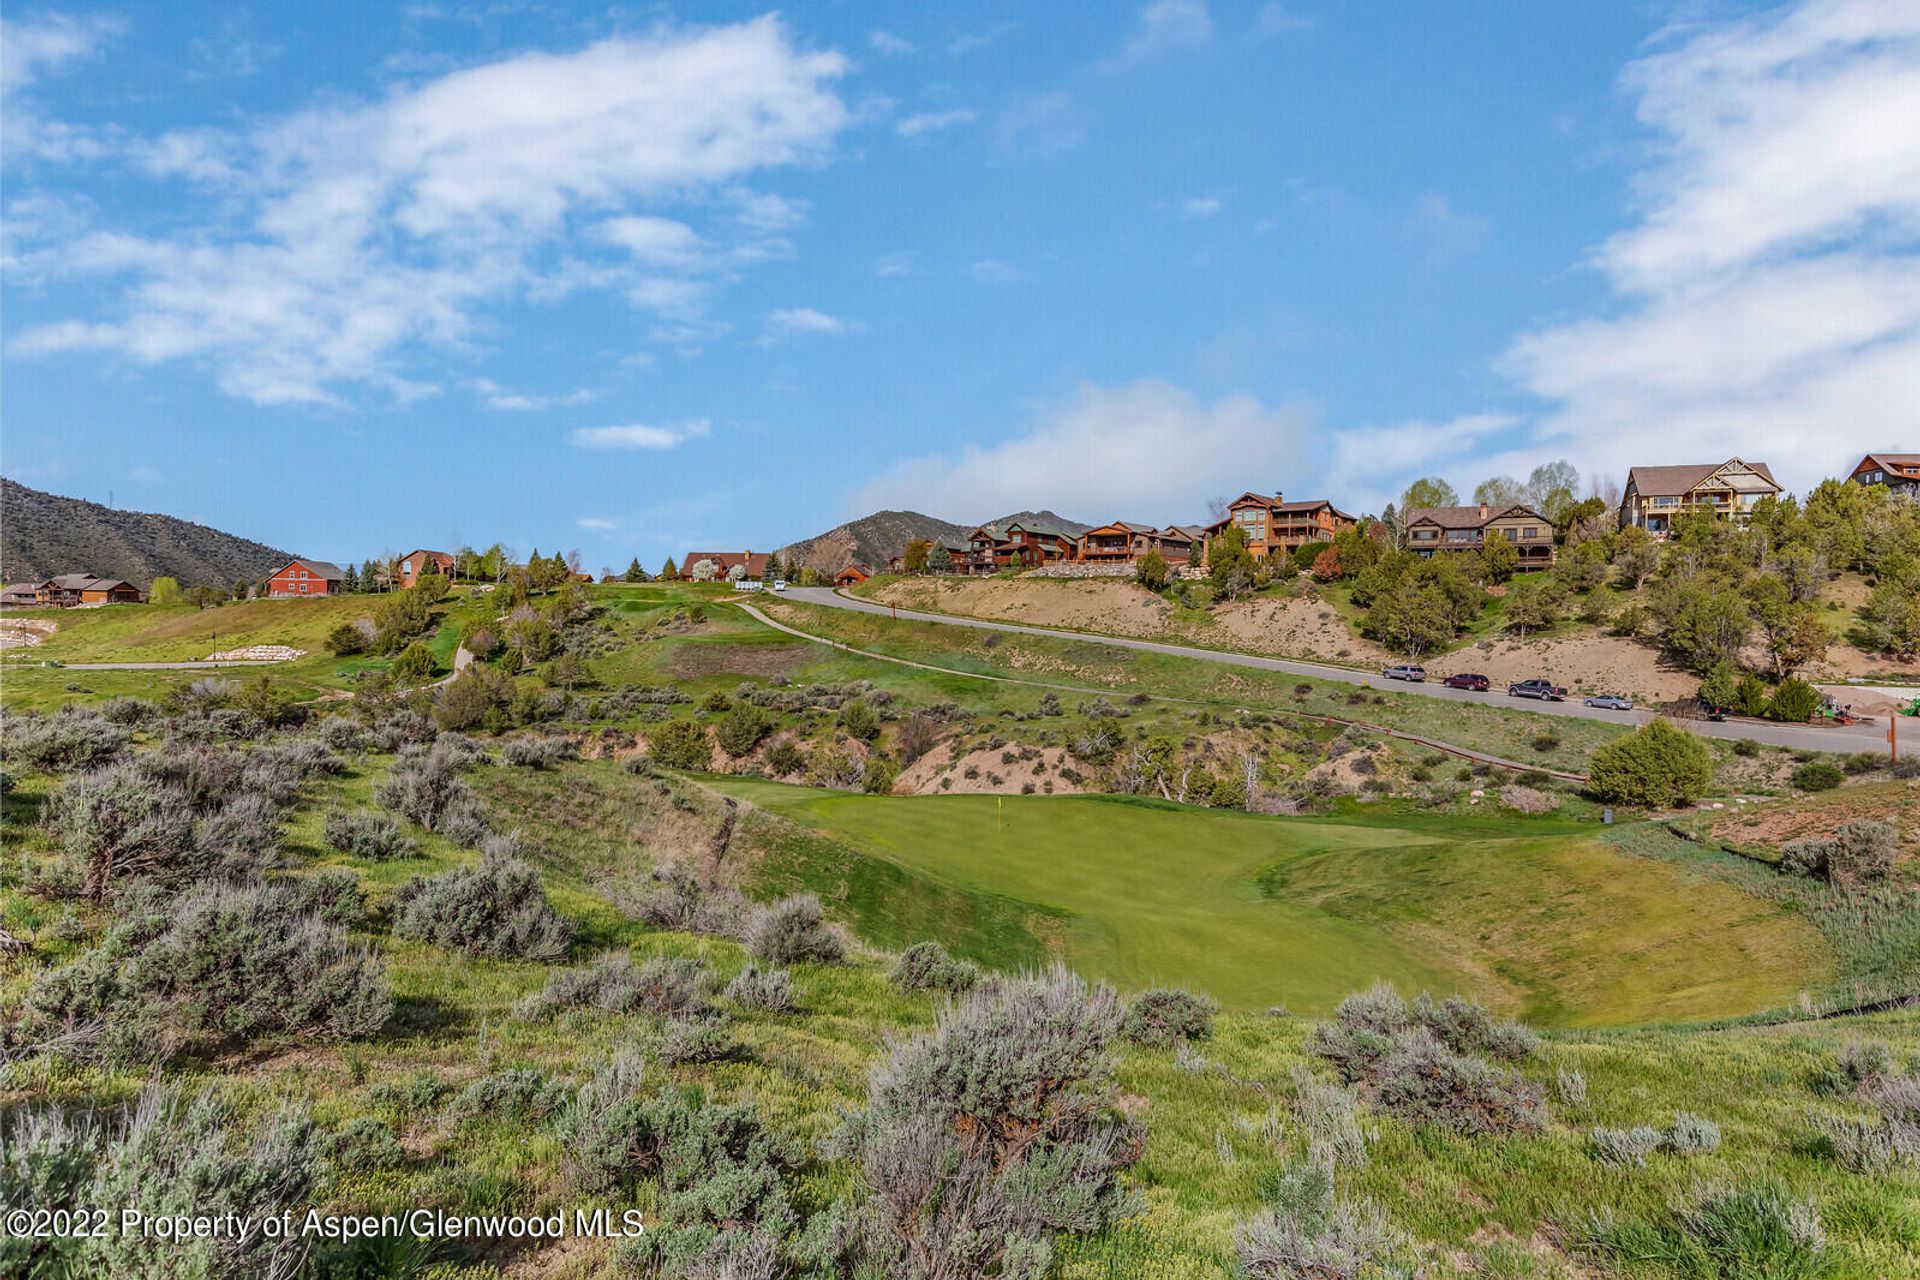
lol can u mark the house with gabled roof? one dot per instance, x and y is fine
(1654, 496)
(69, 589)
(752, 565)
(1427, 531)
(853, 575)
(415, 565)
(1124, 542)
(305, 579)
(1899, 472)
(1274, 526)
(1017, 544)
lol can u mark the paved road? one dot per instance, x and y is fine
(171, 666)
(1857, 738)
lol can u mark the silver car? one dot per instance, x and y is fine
(1406, 671)
(1610, 702)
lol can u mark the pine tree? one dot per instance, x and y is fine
(668, 571)
(634, 572)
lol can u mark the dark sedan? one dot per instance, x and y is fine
(1468, 680)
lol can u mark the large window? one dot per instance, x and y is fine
(1253, 522)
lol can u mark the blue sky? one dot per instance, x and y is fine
(349, 278)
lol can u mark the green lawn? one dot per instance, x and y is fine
(1528, 915)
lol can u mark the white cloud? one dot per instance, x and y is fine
(1040, 123)
(1767, 301)
(994, 271)
(1278, 20)
(495, 396)
(1371, 466)
(597, 523)
(1143, 451)
(897, 263)
(967, 43)
(805, 320)
(366, 232)
(1200, 207)
(1165, 27)
(925, 122)
(886, 42)
(639, 435)
(31, 48)
(1443, 232)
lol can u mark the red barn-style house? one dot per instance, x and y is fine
(852, 576)
(417, 564)
(302, 578)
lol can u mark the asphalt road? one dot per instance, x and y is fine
(1817, 738)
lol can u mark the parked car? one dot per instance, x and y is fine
(1610, 702)
(779, 584)
(1545, 690)
(1716, 712)
(1405, 671)
(1467, 680)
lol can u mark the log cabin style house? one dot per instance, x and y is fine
(305, 579)
(1125, 543)
(1428, 530)
(1276, 527)
(1016, 545)
(71, 589)
(1899, 472)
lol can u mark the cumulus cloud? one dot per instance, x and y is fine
(31, 49)
(1370, 466)
(1767, 298)
(639, 435)
(368, 231)
(925, 122)
(805, 320)
(1199, 207)
(1166, 26)
(1146, 450)
(495, 396)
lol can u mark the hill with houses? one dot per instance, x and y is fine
(43, 534)
(872, 540)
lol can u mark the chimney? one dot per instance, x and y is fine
(1278, 497)
(1483, 511)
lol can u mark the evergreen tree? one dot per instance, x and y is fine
(668, 572)
(940, 560)
(634, 572)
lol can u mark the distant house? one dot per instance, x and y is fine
(1017, 545)
(18, 594)
(417, 564)
(305, 578)
(69, 589)
(1899, 472)
(1429, 530)
(852, 576)
(752, 563)
(1276, 527)
(897, 564)
(1123, 542)
(1655, 495)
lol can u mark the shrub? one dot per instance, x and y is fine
(741, 729)
(1794, 701)
(1746, 747)
(368, 835)
(1860, 1065)
(1570, 1087)
(496, 907)
(219, 964)
(362, 1143)
(69, 739)
(785, 757)
(1871, 1146)
(1655, 766)
(679, 744)
(1692, 1134)
(427, 787)
(1424, 1081)
(345, 640)
(984, 1138)
(859, 721)
(1759, 1230)
(116, 826)
(926, 966)
(696, 1039)
(1162, 1016)
(518, 1093)
(1624, 1146)
(1309, 1233)
(242, 834)
(793, 931)
(1522, 799)
(768, 989)
(614, 984)
(1863, 850)
(1330, 1113)
(171, 1153)
(542, 752)
(681, 901)
(1818, 775)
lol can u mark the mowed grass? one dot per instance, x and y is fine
(1531, 917)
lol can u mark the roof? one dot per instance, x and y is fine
(319, 568)
(80, 582)
(422, 551)
(1039, 530)
(1122, 526)
(1467, 517)
(19, 588)
(1274, 504)
(1194, 531)
(1905, 463)
(755, 561)
(1672, 482)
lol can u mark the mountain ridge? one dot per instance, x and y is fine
(43, 534)
(875, 538)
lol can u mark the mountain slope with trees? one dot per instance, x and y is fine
(45, 534)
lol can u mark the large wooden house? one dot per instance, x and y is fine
(1899, 472)
(1429, 530)
(1016, 545)
(1277, 527)
(70, 589)
(1654, 496)
(415, 565)
(1125, 543)
(305, 579)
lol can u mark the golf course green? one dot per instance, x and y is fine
(1532, 916)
